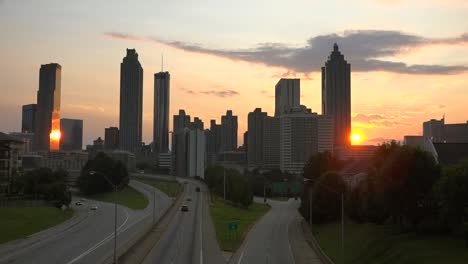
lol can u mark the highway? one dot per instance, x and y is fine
(191, 237)
(268, 241)
(91, 239)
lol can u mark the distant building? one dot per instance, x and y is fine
(190, 153)
(131, 102)
(9, 156)
(126, 157)
(233, 160)
(70, 161)
(439, 132)
(111, 138)
(197, 124)
(161, 112)
(450, 153)
(414, 141)
(213, 141)
(93, 150)
(355, 152)
(28, 118)
(300, 133)
(228, 131)
(27, 139)
(271, 143)
(255, 139)
(336, 95)
(325, 133)
(287, 95)
(165, 161)
(72, 134)
(181, 121)
(48, 107)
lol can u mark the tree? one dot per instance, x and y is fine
(326, 195)
(92, 183)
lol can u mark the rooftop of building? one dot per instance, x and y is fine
(451, 153)
(7, 138)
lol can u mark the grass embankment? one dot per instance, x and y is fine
(171, 188)
(20, 222)
(127, 196)
(370, 243)
(223, 213)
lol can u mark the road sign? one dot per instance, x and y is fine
(233, 226)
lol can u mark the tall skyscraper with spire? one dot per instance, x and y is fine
(131, 102)
(161, 112)
(47, 121)
(336, 95)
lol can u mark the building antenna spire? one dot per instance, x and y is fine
(162, 62)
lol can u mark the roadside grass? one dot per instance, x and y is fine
(371, 243)
(171, 188)
(20, 222)
(127, 196)
(223, 213)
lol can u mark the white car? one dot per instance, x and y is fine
(94, 207)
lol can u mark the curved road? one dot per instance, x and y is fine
(91, 239)
(268, 241)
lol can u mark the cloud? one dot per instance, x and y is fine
(364, 118)
(86, 107)
(364, 49)
(218, 93)
(376, 120)
(263, 91)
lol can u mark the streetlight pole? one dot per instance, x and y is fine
(115, 210)
(224, 182)
(342, 230)
(310, 208)
(154, 203)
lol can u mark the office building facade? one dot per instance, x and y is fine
(47, 120)
(271, 142)
(255, 138)
(287, 95)
(72, 134)
(161, 112)
(336, 95)
(111, 138)
(28, 118)
(131, 102)
(229, 131)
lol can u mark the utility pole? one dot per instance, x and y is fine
(115, 224)
(154, 203)
(342, 230)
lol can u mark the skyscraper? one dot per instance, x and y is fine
(336, 95)
(287, 95)
(271, 142)
(47, 121)
(72, 134)
(131, 102)
(28, 118)
(255, 138)
(197, 124)
(111, 138)
(181, 121)
(161, 112)
(229, 132)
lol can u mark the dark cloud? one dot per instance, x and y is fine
(218, 93)
(362, 49)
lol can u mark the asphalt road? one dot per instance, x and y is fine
(191, 237)
(91, 239)
(268, 241)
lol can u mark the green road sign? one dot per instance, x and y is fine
(233, 226)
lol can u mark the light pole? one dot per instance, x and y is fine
(115, 210)
(308, 181)
(224, 175)
(154, 203)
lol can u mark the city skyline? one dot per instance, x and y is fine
(203, 72)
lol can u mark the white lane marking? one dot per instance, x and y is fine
(240, 258)
(100, 243)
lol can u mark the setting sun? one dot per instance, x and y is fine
(55, 135)
(355, 138)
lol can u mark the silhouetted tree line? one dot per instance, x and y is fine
(266, 178)
(93, 183)
(45, 184)
(403, 186)
(238, 186)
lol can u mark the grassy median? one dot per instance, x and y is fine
(20, 222)
(171, 188)
(223, 213)
(127, 196)
(380, 244)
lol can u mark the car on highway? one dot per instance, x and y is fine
(82, 199)
(189, 199)
(78, 203)
(94, 207)
(184, 208)
(197, 189)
